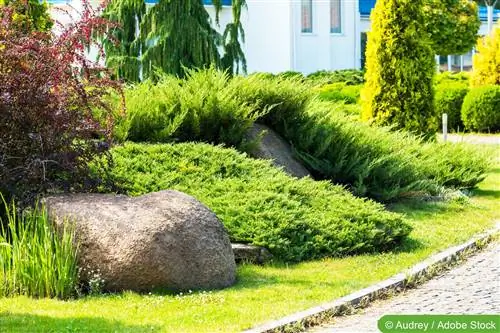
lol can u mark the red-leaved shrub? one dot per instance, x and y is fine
(49, 95)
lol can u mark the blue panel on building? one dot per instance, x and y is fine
(224, 2)
(483, 14)
(366, 6)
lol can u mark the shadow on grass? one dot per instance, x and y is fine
(408, 245)
(24, 323)
(491, 194)
(419, 207)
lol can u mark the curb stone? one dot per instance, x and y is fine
(416, 275)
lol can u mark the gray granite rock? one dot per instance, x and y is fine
(275, 148)
(250, 253)
(164, 239)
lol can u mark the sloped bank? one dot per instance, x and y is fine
(296, 219)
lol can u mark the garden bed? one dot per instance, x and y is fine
(266, 292)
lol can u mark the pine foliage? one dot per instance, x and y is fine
(178, 34)
(174, 35)
(123, 49)
(400, 68)
(234, 58)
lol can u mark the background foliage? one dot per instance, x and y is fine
(452, 24)
(29, 15)
(486, 62)
(170, 36)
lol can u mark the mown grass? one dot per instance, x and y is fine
(263, 292)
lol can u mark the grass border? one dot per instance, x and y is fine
(416, 275)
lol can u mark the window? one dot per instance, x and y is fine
(364, 40)
(306, 14)
(335, 17)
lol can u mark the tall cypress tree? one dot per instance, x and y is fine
(399, 68)
(174, 34)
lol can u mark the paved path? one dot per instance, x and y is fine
(474, 139)
(471, 288)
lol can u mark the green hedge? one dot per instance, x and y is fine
(260, 204)
(347, 76)
(448, 99)
(450, 77)
(481, 109)
(338, 92)
(372, 161)
(198, 108)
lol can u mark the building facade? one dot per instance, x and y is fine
(307, 35)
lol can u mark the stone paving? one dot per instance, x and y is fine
(471, 288)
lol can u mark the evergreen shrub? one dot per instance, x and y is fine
(296, 219)
(451, 77)
(199, 108)
(348, 76)
(448, 99)
(481, 109)
(399, 69)
(372, 161)
(338, 92)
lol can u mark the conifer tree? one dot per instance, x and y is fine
(124, 47)
(399, 68)
(174, 34)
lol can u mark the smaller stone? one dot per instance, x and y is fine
(250, 253)
(273, 147)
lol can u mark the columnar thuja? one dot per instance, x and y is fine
(50, 94)
(399, 68)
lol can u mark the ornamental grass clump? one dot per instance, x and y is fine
(36, 258)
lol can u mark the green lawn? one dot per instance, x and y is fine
(262, 293)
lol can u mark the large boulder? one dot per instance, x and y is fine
(165, 239)
(272, 146)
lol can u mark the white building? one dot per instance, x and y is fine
(310, 35)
